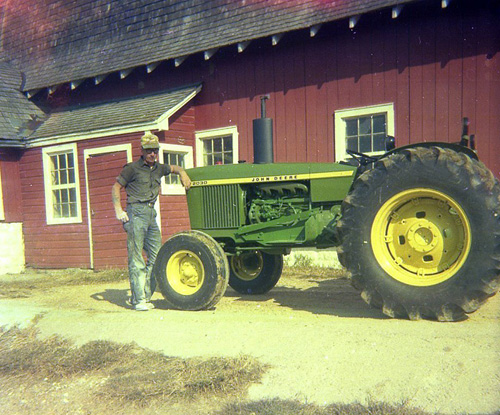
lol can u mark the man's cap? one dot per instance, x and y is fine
(149, 140)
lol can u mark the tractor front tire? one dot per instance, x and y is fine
(420, 234)
(254, 272)
(191, 271)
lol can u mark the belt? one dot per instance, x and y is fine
(150, 204)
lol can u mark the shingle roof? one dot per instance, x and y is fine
(136, 112)
(18, 116)
(84, 38)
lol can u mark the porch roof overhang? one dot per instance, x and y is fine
(104, 119)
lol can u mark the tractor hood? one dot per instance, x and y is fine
(262, 173)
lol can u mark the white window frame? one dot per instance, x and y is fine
(187, 151)
(47, 152)
(340, 125)
(214, 133)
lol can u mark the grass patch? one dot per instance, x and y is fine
(120, 373)
(52, 375)
(301, 271)
(287, 407)
(22, 285)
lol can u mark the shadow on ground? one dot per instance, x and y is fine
(331, 297)
(113, 296)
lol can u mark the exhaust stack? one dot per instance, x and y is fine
(263, 136)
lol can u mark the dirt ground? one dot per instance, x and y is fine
(323, 343)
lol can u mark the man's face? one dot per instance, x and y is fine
(150, 155)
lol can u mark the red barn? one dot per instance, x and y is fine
(83, 80)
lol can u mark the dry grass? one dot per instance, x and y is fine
(281, 407)
(113, 375)
(23, 285)
(320, 273)
(52, 375)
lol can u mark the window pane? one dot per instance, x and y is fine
(379, 124)
(65, 210)
(207, 146)
(217, 144)
(378, 142)
(364, 125)
(228, 144)
(218, 158)
(365, 144)
(73, 210)
(63, 174)
(70, 160)
(71, 173)
(56, 203)
(55, 164)
(54, 177)
(351, 127)
(228, 158)
(62, 161)
(72, 195)
(352, 144)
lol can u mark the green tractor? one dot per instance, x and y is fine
(418, 229)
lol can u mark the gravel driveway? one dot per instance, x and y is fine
(322, 342)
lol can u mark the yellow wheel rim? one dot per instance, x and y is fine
(248, 265)
(421, 237)
(185, 272)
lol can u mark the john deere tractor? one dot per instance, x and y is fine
(418, 229)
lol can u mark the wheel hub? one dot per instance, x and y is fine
(247, 265)
(185, 272)
(421, 237)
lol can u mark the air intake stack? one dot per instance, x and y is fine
(263, 136)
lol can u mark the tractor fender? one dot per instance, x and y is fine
(455, 147)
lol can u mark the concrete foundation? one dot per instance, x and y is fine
(11, 248)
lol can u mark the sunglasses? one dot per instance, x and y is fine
(151, 150)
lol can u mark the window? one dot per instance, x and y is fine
(62, 190)
(176, 155)
(363, 130)
(219, 146)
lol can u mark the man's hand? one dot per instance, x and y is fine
(185, 180)
(122, 216)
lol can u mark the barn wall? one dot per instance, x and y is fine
(67, 245)
(436, 66)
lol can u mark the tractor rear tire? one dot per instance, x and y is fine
(254, 272)
(420, 234)
(191, 271)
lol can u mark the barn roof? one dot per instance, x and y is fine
(72, 41)
(139, 113)
(18, 116)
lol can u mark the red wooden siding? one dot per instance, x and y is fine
(109, 240)
(435, 68)
(67, 245)
(48, 246)
(11, 185)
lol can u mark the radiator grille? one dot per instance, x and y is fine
(221, 208)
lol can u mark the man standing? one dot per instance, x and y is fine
(141, 180)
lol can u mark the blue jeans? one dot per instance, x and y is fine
(143, 234)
